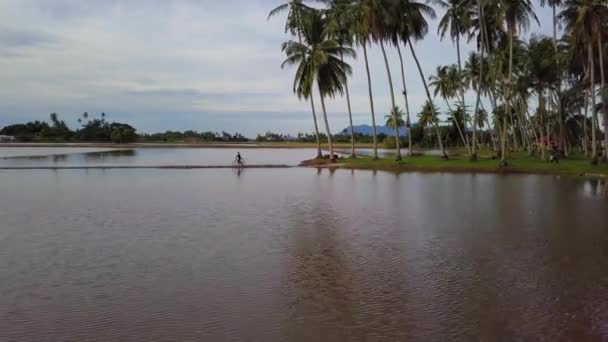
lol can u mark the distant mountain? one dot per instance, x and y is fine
(367, 130)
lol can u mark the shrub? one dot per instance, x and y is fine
(389, 142)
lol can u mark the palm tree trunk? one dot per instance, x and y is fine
(444, 155)
(371, 100)
(314, 118)
(525, 139)
(479, 85)
(408, 124)
(536, 136)
(541, 123)
(462, 137)
(585, 134)
(559, 87)
(603, 94)
(350, 116)
(594, 121)
(394, 107)
(329, 140)
(503, 152)
(464, 107)
(312, 106)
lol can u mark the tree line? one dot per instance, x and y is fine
(99, 129)
(530, 94)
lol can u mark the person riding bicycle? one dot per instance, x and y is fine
(239, 158)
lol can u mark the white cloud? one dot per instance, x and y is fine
(137, 57)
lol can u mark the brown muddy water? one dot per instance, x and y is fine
(300, 255)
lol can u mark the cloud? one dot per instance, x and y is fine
(15, 42)
(168, 64)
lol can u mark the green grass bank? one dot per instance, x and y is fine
(519, 163)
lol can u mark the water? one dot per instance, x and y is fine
(300, 255)
(61, 157)
(390, 153)
(11, 152)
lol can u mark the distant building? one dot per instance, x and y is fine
(7, 138)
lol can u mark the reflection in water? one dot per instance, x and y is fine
(319, 278)
(101, 156)
(301, 255)
(158, 157)
(74, 158)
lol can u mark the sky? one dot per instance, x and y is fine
(182, 65)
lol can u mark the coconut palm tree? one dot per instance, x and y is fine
(479, 29)
(362, 18)
(395, 113)
(296, 10)
(339, 27)
(385, 30)
(414, 28)
(583, 20)
(447, 84)
(542, 76)
(554, 4)
(318, 60)
(517, 14)
(457, 20)
(428, 118)
(398, 26)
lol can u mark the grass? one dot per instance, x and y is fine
(518, 163)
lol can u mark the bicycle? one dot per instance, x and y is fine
(238, 163)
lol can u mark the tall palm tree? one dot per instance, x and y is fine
(603, 31)
(398, 26)
(584, 20)
(340, 27)
(382, 32)
(447, 84)
(361, 13)
(554, 4)
(415, 27)
(457, 20)
(542, 76)
(477, 64)
(517, 14)
(296, 10)
(428, 117)
(318, 60)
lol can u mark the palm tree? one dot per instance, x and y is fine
(584, 20)
(478, 65)
(339, 25)
(381, 32)
(428, 117)
(415, 27)
(517, 15)
(361, 13)
(554, 4)
(447, 84)
(390, 118)
(542, 76)
(319, 61)
(296, 10)
(399, 26)
(457, 20)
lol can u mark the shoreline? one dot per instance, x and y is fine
(436, 165)
(132, 167)
(251, 145)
